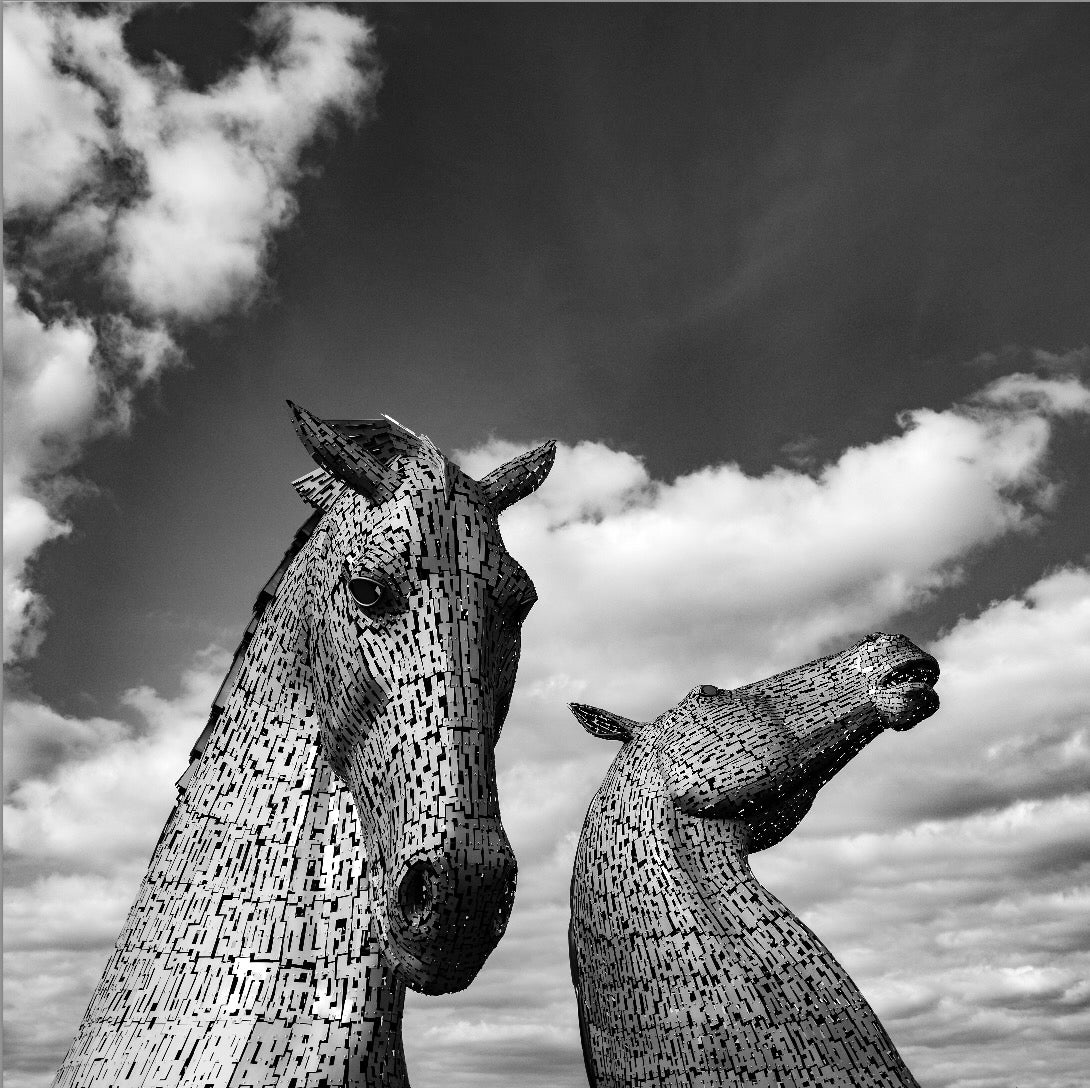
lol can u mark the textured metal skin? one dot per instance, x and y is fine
(337, 835)
(688, 971)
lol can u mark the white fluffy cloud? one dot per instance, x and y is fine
(179, 190)
(52, 131)
(65, 383)
(170, 194)
(110, 783)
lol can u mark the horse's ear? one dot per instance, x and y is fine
(603, 724)
(519, 477)
(343, 457)
(446, 472)
(319, 488)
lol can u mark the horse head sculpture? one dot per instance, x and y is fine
(337, 834)
(687, 969)
(413, 618)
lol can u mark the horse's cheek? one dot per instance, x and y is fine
(724, 765)
(680, 764)
(348, 697)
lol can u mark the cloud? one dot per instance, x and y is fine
(37, 739)
(53, 135)
(165, 196)
(102, 804)
(66, 382)
(1014, 357)
(179, 190)
(968, 934)
(1062, 396)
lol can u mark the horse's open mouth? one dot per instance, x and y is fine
(910, 676)
(906, 693)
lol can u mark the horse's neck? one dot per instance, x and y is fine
(712, 854)
(700, 865)
(683, 961)
(714, 877)
(666, 872)
(250, 942)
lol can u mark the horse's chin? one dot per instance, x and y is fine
(905, 705)
(432, 975)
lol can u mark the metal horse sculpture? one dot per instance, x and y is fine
(688, 971)
(337, 834)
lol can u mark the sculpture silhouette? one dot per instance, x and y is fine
(687, 970)
(337, 834)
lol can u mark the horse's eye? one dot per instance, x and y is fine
(365, 592)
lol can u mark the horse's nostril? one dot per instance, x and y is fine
(919, 671)
(417, 892)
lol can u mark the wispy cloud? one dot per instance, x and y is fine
(1014, 357)
(176, 192)
(163, 199)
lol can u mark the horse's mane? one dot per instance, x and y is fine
(268, 591)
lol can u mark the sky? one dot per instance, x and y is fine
(801, 293)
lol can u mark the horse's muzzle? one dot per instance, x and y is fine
(448, 909)
(905, 694)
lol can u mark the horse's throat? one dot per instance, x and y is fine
(708, 847)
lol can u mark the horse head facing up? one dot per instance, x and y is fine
(760, 753)
(669, 924)
(412, 618)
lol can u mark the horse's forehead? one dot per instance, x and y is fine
(707, 710)
(439, 512)
(416, 518)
